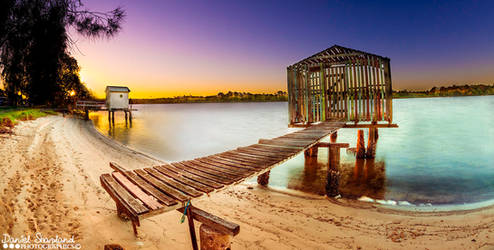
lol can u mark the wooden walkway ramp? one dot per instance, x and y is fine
(149, 191)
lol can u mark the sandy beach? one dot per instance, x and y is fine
(50, 170)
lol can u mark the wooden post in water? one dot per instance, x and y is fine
(360, 152)
(109, 118)
(311, 152)
(333, 137)
(371, 143)
(333, 177)
(125, 111)
(212, 239)
(113, 117)
(263, 179)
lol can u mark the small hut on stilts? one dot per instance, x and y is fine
(117, 99)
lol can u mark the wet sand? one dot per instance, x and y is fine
(50, 172)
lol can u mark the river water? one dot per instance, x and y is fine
(441, 154)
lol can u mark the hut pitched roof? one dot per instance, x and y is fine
(334, 54)
(117, 89)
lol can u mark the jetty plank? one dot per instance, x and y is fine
(227, 168)
(173, 183)
(148, 200)
(243, 157)
(124, 196)
(271, 155)
(258, 158)
(218, 171)
(150, 189)
(179, 195)
(184, 180)
(274, 148)
(286, 143)
(268, 151)
(238, 167)
(244, 163)
(172, 169)
(189, 166)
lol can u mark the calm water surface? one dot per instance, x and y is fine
(442, 153)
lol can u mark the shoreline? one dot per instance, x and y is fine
(51, 168)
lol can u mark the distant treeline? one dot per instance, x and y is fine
(462, 90)
(280, 96)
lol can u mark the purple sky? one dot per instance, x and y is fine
(203, 47)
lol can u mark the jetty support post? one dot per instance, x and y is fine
(213, 239)
(109, 118)
(312, 151)
(333, 137)
(113, 117)
(125, 111)
(372, 143)
(263, 179)
(215, 233)
(333, 176)
(130, 117)
(360, 151)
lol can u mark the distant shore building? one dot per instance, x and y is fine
(117, 98)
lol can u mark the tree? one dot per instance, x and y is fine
(34, 46)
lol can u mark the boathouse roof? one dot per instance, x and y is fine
(333, 55)
(117, 89)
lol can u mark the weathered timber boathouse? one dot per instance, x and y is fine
(340, 83)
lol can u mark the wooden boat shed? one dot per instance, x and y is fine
(340, 83)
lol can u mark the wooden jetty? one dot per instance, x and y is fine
(333, 89)
(140, 193)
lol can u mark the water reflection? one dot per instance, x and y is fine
(418, 162)
(363, 177)
(119, 128)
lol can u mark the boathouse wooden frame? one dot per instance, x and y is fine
(340, 83)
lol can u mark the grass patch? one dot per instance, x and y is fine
(9, 117)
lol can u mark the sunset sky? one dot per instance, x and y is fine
(203, 47)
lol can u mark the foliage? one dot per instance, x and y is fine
(35, 62)
(10, 117)
(463, 90)
(230, 96)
